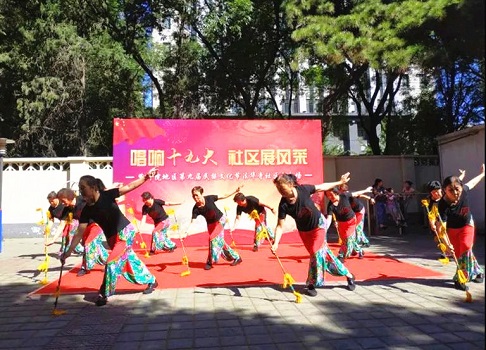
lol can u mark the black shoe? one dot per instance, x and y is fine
(354, 253)
(172, 249)
(208, 266)
(341, 259)
(351, 284)
(236, 262)
(255, 248)
(311, 290)
(479, 278)
(152, 252)
(366, 245)
(82, 272)
(361, 255)
(102, 300)
(151, 287)
(460, 286)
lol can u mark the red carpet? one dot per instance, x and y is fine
(257, 268)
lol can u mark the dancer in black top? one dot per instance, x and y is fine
(155, 209)
(215, 220)
(246, 204)
(101, 207)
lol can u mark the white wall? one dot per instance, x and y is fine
(465, 150)
(27, 181)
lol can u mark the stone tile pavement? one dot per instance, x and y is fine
(392, 314)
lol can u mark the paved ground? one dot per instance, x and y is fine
(403, 314)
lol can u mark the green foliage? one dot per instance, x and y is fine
(68, 67)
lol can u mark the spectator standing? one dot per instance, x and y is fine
(379, 195)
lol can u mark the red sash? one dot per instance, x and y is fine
(91, 232)
(313, 240)
(462, 239)
(214, 230)
(347, 228)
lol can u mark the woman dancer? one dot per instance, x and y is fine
(55, 206)
(455, 212)
(246, 204)
(434, 194)
(101, 207)
(296, 201)
(154, 208)
(69, 220)
(215, 220)
(359, 211)
(340, 208)
(92, 246)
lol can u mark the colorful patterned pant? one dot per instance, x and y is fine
(160, 239)
(360, 235)
(94, 250)
(67, 236)
(321, 258)
(123, 261)
(462, 239)
(347, 234)
(217, 244)
(260, 230)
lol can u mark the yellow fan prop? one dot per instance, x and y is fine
(185, 259)
(461, 277)
(288, 279)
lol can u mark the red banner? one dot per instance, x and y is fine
(218, 155)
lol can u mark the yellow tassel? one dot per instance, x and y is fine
(185, 273)
(288, 280)
(57, 312)
(174, 227)
(185, 260)
(43, 266)
(444, 260)
(57, 293)
(143, 245)
(468, 297)
(44, 281)
(460, 277)
(431, 215)
(261, 235)
(254, 215)
(298, 297)
(170, 211)
(442, 232)
(442, 247)
(147, 255)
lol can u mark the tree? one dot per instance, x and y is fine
(357, 37)
(66, 87)
(243, 41)
(454, 60)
